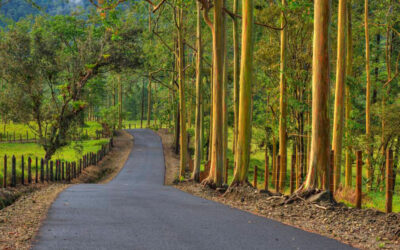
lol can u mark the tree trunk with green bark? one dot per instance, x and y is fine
(318, 171)
(349, 72)
(283, 107)
(182, 105)
(236, 74)
(242, 156)
(339, 93)
(199, 75)
(215, 177)
(368, 100)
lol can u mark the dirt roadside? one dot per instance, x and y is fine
(20, 221)
(365, 229)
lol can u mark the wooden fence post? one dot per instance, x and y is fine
(359, 179)
(276, 175)
(74, 166)
(255, 176)
(227, 171)
(13, 173)
(62, 171)
(57, 177)
(59, 170)
(389, 181)
(41, 170)
(68, 171)
(36, 171)
(51, 171)
(292, 173)
(22, 170)
(29, 170)
(266, 173)
(5, 172)
(47, 171)
(56, 171)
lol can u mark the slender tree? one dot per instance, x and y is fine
(119, 102)
(182, 103)
(349, 72)
(339, 93)
(199, 76)
(149, 102)
(283, 106)
(215, 177)
(225, 101)
(368, 100)
(319, 153)
(236, 74)
(242, 156)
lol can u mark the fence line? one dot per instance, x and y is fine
(50, 171)
(14, 138)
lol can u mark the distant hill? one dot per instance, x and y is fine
(17, 9)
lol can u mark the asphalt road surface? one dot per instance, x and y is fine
(136, 211)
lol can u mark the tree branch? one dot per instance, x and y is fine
(233, 16)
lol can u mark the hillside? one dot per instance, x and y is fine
(16, 9)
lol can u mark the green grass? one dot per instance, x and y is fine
(18, 130)
(374, 199)
(72, 152)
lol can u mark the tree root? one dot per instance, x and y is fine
(310, 196)
(209, 182)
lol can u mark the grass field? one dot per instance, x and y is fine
(70, 153)
(73, 152)
(374, 199)
(11, 129)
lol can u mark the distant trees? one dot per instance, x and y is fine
(50, 64)
(279, 101)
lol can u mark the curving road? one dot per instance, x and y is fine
(136, 211)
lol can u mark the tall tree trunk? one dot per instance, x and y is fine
(283, 107)
(149, 102)
(339, 93)
(319, 152)
(216, 168)
(199, 75)
(349, 66)
(155, 104)
(182, 105)
(274, 163)
(142, 115)
(211, 113)
(119, 102)
(368, 101)
(242, 156)
(224, 102)
(385, 92)
(236, 74)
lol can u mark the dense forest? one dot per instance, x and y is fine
(247, 82)
(17, 9)
(296, 100)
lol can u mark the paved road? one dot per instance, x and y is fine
(136, 211)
